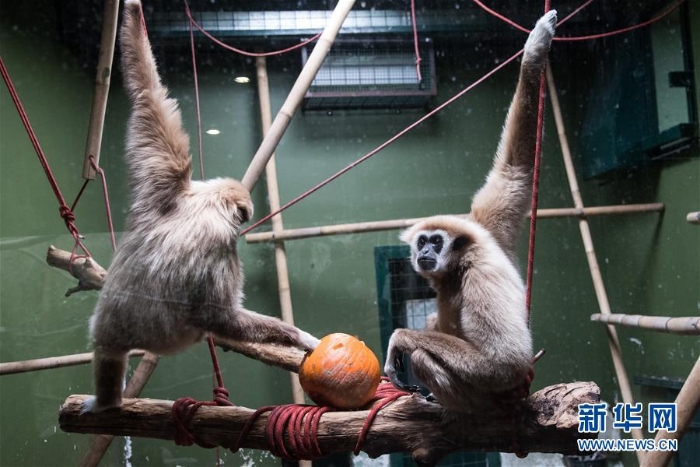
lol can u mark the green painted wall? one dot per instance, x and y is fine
(650, 263)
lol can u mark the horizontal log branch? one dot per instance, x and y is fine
(377, 226)
(684, 325)
(549, 423)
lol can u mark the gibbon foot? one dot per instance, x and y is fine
(398, 364)
(90, 405)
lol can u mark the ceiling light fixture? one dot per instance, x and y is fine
(241, 79)
(213, 132)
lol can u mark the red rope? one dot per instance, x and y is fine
(299, 425)
(581, 38)
(385, 395)
(415, 39)
(185, 408)
(243, 52)
(383, 145)
(535, 185)
(66, 213)
(105, 193)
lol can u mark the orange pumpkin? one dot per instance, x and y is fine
(342, 372)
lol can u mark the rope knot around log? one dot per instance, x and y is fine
(291, 430)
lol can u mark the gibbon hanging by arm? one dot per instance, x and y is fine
(175, 275)
(479, 342)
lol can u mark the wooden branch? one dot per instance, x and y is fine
(549, 424)
(377, 226)
(90, 275)
(142, 374)
(682, 325)
(49, 363)
(287, 358)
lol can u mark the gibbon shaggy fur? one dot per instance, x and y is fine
(175, 275)
(479, 342)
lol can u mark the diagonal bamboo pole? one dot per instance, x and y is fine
(687, 402)
(273, 195)
(100, 443)
(302, 84)
(598, 284)
(102, 79)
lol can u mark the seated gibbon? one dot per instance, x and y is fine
(479, 342)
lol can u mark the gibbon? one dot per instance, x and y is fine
(479, 343)
(175, 275)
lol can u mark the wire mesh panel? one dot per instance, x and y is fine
(373, 74)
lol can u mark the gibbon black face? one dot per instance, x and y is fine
(429, 246)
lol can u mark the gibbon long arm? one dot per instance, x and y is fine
(157, 148)
(502, 202)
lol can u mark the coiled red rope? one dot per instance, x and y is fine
(298, 424)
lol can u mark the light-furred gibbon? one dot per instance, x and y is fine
(479, 342)
(175, 275)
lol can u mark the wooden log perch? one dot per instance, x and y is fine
(549, 423)
(90, 275)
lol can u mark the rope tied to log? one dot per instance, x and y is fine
(296, 423)
(299, 425)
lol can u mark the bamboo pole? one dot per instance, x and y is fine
(376, 226)
(693, 217)
(302, 84)
(49, 363)
(687, 402)
(677, 325)
(596, 276)
(273, 195)
(102, 80)
(101, 443)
